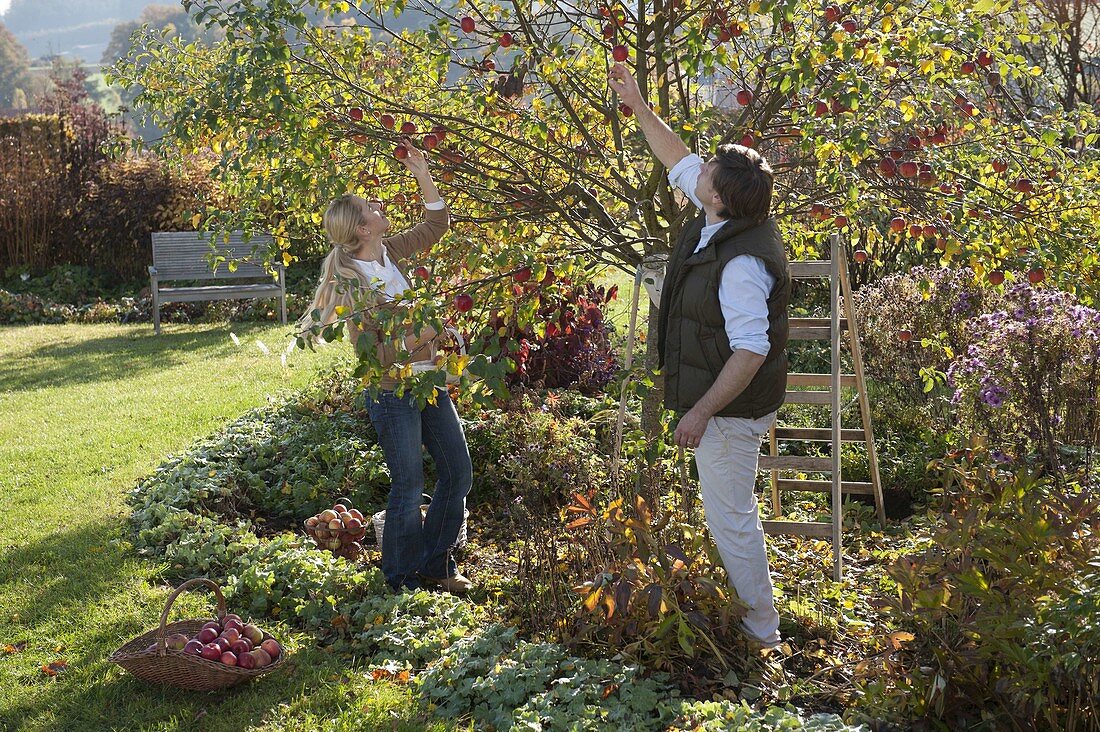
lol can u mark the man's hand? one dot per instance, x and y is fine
(689, 431)
(623, 83)
(416, 162)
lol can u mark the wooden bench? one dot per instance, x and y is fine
(183, 255)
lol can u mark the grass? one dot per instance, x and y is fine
(87, 410)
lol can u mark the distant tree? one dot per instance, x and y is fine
(1073, 63)
(14, 65)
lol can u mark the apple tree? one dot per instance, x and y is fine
(919, 130)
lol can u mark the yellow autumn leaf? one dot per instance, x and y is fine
(887, 24)
(287, 259)
(196, 220)
(341, 310)
(927, 66)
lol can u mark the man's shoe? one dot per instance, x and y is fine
(457, 585)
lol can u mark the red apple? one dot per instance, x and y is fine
(897, 153)
(913, 143)
(241, 645)
(233, 623)
(408, 128)
(850, 25)
(440, 132)
(887, 167)
(206, 635)
(620, 53)
(747, 140)
(193, 648)
(832, 14)
(356, 114)
(897, 224)
(387, 121)
(229, 658)
(999, 166)
(211, 652)
(1023, 185)
(246, 660)
(215, 625)
(401, 152)
(916, 231)
(467, 24)
(231, 635)
(431, 142)
(421, 272)
(609, 30)
(929, 231)
(353, 524)
(840, 222)
(994, 79)
(744, 97)
(261, 657)
(272, 647)
(339, 508)
(231, 616)
(522, 275)
(967, 67)
(861, 256)
(463, 303)
(996, 277)
(253, 633)
(908, 169)
(985, 58)
(221, 643)
(905, 335)
(506, 40)
(176, 641)
(820, 108)
(1036, 275)
(625, 110)
(335, 525)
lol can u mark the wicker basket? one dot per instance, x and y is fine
(379, 522)
(164, 665)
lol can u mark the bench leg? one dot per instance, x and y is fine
(282, 306)
(156, 313)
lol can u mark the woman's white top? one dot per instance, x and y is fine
(385, 277)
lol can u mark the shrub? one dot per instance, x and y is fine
(1030, 376)
(534, 455)
(30, 310)
(1011, 556)
(573, 350)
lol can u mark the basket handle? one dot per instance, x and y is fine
(161, 640)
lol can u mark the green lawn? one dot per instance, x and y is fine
(85, 411)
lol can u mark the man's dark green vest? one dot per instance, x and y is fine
(691, 330)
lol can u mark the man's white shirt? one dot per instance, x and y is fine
(746, 283)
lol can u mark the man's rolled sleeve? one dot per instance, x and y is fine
(743, 294)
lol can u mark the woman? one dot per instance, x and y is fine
(413, 554)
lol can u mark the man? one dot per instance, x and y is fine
(722, 336)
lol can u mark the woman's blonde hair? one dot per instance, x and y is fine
(338, 272)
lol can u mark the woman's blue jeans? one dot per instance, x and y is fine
(410, 549)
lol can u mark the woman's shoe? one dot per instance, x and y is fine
(457, 585)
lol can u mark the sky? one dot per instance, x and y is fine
(4, 5)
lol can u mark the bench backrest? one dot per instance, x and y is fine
(184, 255)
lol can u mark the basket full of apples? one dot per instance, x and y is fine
(201, 654)
(338, 529)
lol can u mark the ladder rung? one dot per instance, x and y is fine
(816, 323)
(826, 486)
(810, 334)
(809, 397)
(796, 462)
(809, 269)
(825, 380)
(798, 528)
(818, 434)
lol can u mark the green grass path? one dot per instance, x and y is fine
(85, 411)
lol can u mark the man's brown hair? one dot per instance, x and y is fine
(743, 180)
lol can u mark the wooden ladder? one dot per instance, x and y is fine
(835, 270)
